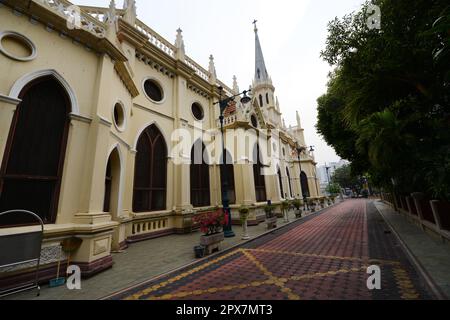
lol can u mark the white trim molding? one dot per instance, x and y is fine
(23, 40)
(24, 80)
(9, 100)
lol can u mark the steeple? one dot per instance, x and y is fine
(261, 74)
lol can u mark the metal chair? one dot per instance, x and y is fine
(19, 249)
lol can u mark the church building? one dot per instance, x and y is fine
(92, 106)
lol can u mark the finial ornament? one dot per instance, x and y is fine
(254, 22)
(212, 70)
(130, 11)
(179, 44)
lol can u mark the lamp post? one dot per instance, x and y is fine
(223, 104)
(315, 175)
(300, 150)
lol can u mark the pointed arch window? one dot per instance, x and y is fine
(261, 102)
(289, 182)
(32, 167)
(280, 181)
(260, 182)
(150, 178)
(267, 98)
(227, 174)
(305, 186)
(200, 191)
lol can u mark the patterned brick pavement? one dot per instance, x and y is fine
(323, 257)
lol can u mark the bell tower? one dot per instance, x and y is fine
(263, 89)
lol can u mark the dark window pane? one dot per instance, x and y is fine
(200, 192)
(34, 158)
(150, 172)
(153, 90)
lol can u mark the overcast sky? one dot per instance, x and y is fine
(292, 34)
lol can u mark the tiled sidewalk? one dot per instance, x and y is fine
(325, 256)
(431, 252)
(140, 262)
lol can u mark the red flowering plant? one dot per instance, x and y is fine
(211, 222)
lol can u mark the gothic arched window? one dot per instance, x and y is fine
(150, 178)
(200, 192)
(33, 161)
(280, 181)
(260, 182)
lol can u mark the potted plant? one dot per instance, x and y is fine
(271, 219)
(311, 205)
(298, 208)
(211, 224)
(285, 206)
(322, 202)
(244, 212)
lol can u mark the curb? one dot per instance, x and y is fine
(224, 252)
(434, 288)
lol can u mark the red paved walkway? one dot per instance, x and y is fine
(324, 257)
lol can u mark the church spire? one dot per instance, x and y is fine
(261, 74)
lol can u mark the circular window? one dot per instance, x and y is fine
(254, 121)
(153, 90)
(16, 46)
(119, 117)
(197, 111)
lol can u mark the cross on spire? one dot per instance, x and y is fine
(254, 22)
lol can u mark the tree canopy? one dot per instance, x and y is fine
(387, 105)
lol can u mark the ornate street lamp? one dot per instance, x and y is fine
(300, 150)
(223, 104)
(315, 175)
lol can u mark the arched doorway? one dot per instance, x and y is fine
(280, 182)
(32, 167)
(200, 191)
(227, 174)
(112, 184)
(150, 179)
(289, 183)
(260, 182)
(305, 186)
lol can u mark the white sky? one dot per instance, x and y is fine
(292, 34)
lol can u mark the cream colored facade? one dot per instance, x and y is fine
(104, 62)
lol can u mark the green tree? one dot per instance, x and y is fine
(387, 104)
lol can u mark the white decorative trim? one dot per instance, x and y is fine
(203, 111)
(77, 117)
(122, 166)
(123, 127)
(23, 40)
(24, 80)
(161, 87)
(105, 122)
(9, 100)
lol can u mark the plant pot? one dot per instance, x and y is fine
(199, 252)
(271, 223)
(298, 213)
(212, 242)
(441, 210)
